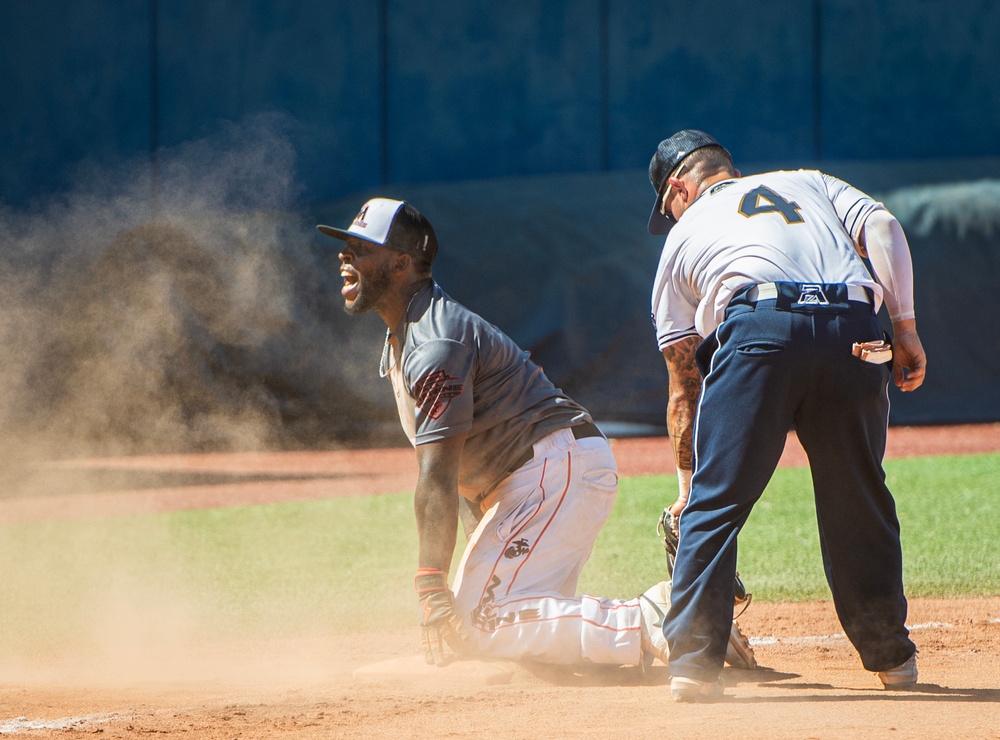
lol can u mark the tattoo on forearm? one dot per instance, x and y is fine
(685, 387)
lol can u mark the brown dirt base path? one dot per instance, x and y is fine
(810, 683)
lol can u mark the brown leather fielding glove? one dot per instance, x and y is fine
(442, 632)
(666, 527)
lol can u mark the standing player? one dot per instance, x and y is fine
(493, 435)
(768, 269)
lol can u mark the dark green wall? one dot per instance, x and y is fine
(399, 92)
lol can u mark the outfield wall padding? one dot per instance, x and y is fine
(563, 264)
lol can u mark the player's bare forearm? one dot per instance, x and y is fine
(909, 358)
(684, 388)
(437, 522)
(435, 502)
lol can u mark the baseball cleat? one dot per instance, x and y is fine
(739, 653)
(901, 677)
(685, 689)
(653, 605)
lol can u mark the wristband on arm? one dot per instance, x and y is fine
(683, 484)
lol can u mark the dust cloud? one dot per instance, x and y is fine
(190, 311)
(193, 311)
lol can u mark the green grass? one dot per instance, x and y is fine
(948, 507)
(347, 564)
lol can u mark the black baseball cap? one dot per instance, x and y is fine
(392, 223)
(668, 155)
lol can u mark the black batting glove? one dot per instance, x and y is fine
(442, 632)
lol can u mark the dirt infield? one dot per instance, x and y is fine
(810, 684)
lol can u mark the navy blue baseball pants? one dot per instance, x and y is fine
(770, 366)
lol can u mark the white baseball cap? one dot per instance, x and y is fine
(392, 223)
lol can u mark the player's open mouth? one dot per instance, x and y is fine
(350, 283)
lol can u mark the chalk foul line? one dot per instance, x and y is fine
(23, 724)
(817, 639)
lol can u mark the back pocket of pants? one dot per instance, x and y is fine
(761, 347)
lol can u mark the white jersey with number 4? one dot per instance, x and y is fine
(798, 226)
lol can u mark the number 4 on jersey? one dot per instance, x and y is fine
(764, 200)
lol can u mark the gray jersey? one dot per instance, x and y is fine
(459, 373)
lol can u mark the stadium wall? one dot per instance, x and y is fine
(523, 130)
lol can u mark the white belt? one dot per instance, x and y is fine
(766, 291)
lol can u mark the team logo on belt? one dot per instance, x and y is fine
(517, 549)
(813, 295)
(434, 392)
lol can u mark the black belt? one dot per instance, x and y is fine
(587, 429)
(580, 431)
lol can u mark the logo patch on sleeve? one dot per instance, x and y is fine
(434, 392)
